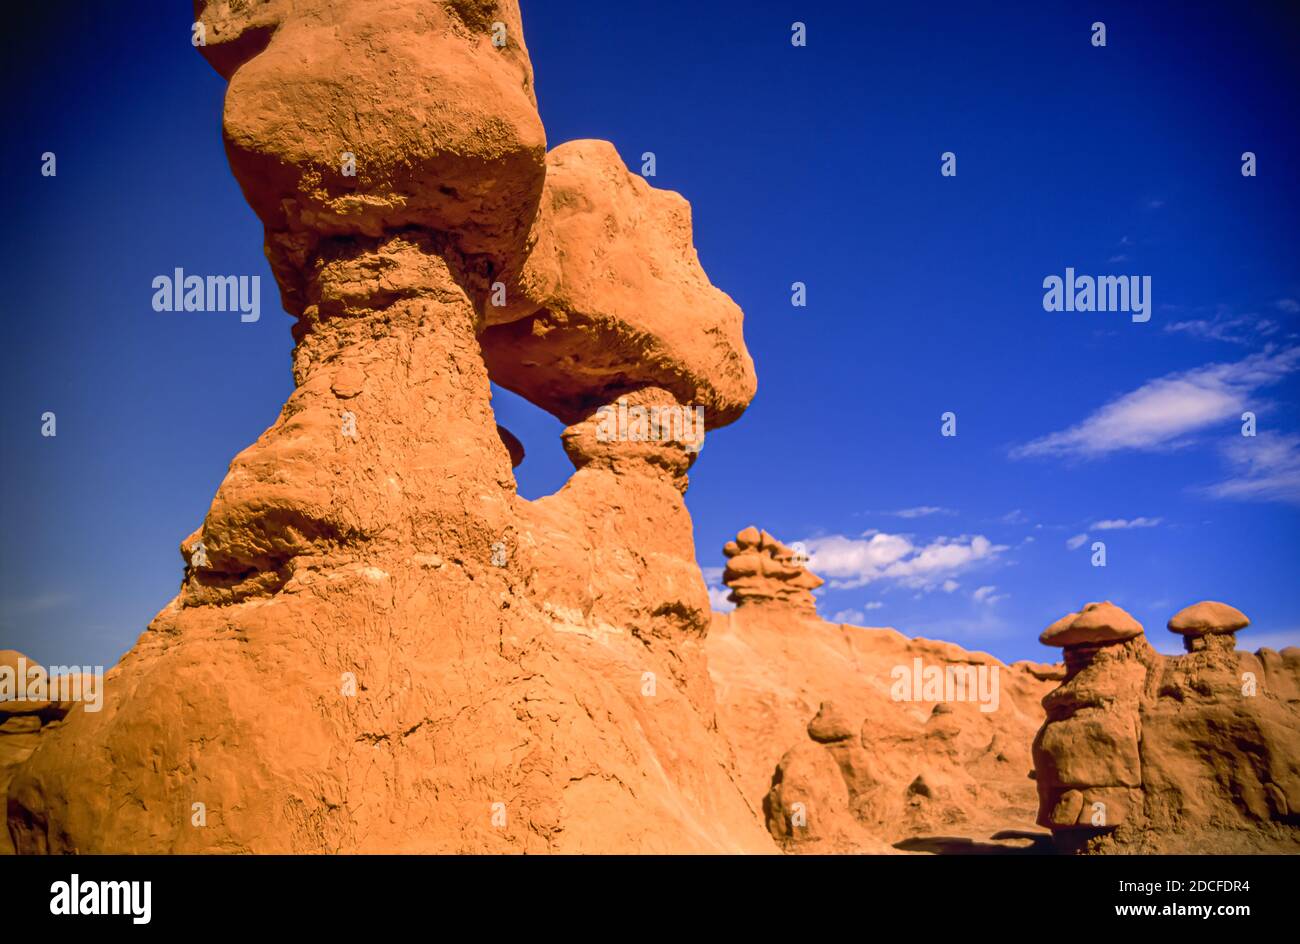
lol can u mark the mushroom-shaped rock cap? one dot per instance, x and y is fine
(1097, 624)
(612, 297)
(1048, 636)
(1207, 618)
(346, 119)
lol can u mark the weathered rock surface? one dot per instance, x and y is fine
(22, 720)
(611, 297)
(1207, 618)
(378, 645)
(1148, 753)
(1098, 624)
(839, 756)
(760, 570)
(432, 101)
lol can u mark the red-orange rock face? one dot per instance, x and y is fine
(848, 738)
(378, 645)
(1195, 753)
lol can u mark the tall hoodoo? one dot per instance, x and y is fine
(378, 645)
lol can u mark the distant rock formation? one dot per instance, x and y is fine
(760, 569)
(840, 737)
(1148, 753)
(23, 719)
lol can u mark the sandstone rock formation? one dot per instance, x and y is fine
(377, 644)
(760, 569)
(23, 719)
(837, 754)
(596, 306)
(1200, 621)
(1142, 752)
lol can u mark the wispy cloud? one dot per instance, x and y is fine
(988, 594)
(1288, 305)
(855, 616)
(921, 511)
(1076, 542)
(1163, 412)
(1238, 329)
(1120, 524)
(876, 556)
(1266, 467)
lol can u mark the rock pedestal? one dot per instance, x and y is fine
(378, 646)
(1196, 753)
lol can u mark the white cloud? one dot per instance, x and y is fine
(921, 511)
(1288, 305)
(950, 585)
(854, 562)
(855, 616)
(1163, 412)
(987, 594)
(1076, 542)
(1120, 524)
(718, 599)
(717, 591)
(1266, 467)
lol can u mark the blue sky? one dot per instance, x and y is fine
(817, 164)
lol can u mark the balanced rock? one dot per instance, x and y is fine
(1208, 618)
(611, 297)
(1141, 752)
(349, 119)
(1097, 624)
(377, 644)
(762, 570)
